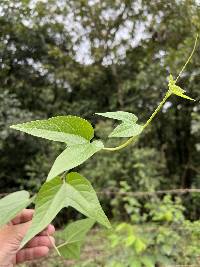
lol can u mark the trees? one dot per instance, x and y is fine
(42, 69)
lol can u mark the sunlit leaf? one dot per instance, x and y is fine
(175, 89)
(120, 115)
(68, 129)
(54, 195)
(82, 197)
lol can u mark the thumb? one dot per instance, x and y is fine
(10, 239)
(18, 232)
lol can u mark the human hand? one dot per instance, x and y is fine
(12, 234)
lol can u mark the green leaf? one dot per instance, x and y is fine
(130, 240)
(128, 127)
(166, 261)
(139, 245)
(120, 115)
(67, 129)
(74, 156)
(82, 197)
(74, 235)
(148, 261)
(12, 204)
(54, 195)
(49, 201)
(175, 89)
(127, 130)
(135, 263)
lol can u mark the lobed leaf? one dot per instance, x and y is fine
(67, 129)
(49, 201)
(127, 130)
(12, 204)
(177, 90)
(82, 197)
(54, 195)
(128, 127)
(73, 156)
(74, 235)
(120, 115)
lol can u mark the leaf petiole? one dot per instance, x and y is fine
(134, 138)
(129, 141)
(56, 249)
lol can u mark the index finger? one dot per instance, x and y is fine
(24, 216)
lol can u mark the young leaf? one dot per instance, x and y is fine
(128, 127)
(127, 130)
(73, 156)
(120, 116)
(12, 204)
(82, 197)
(74, 235)
(49, 201)
(67, 129)
(176, 89)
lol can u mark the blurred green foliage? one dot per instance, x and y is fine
(156, 233)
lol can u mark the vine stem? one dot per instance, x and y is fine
(56, 249)
(129, 141)
(189, 58)
(134, 138)
(167, 95)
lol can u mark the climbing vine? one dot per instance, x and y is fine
(64, 188)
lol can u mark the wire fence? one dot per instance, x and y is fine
(98, 252)
(180, 191)
(115, 191)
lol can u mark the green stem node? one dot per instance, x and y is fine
(134, 138)
(168, 94)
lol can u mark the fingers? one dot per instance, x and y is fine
(28, 254)
(50, 230)
(40, 241)
(20, 230)
(25, 216)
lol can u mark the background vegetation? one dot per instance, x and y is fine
(80, 57)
